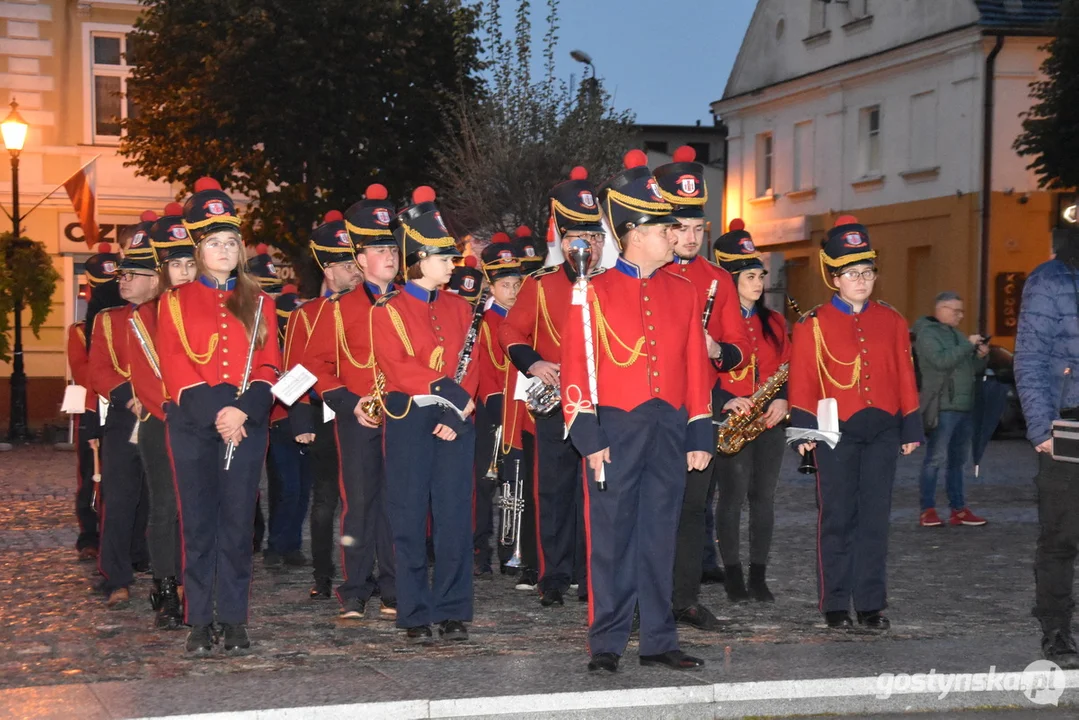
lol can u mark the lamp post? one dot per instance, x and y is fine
(13, 129)
(591, 83)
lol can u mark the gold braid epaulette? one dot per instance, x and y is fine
(542, 298)
(106, 325)
(399, 326)
(342, 342)
(178, 321)
(737, 376)
(822, 370)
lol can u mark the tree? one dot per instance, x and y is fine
(524, 136)
(297, 105)
(26, 272)
(1051, 126)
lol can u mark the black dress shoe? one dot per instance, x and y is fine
(874, 621)
(697, 616)
(712, 576)
(453, 631)
(838, 620)
(552, 597)
(235, 637)
(1059, 647)
(674, 659)
(758, 587)
(322, 588)
(419, 635)
(200, 641)
(604, 661)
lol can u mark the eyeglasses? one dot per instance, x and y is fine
(590, 238)
(954, 309)
(129, 275)
(229, 246)
(855, 275)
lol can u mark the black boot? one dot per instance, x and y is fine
(758, 588)
(735, 584)
(155, 596)
(169, 614)
(1058, 645)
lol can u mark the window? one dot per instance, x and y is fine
(923, 136)
(803, 156)
(858, 8)
(764, 164)
(703, 150)
(658, 146)
(112, 55)
(869, 159)
(818, 17)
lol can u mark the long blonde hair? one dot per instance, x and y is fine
(244, 298)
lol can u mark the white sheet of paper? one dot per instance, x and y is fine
(426, 400)
(831, 439)
(327, 413)
(74, 400)
(102, 409)
(828, 415)
(291, 386)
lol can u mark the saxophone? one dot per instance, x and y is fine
(736, 430)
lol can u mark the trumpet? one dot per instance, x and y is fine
(492, 469)
(512, 503)
(373, 407)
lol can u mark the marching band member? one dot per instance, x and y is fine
(502, 269)
(754, 471)
(123, 491)
(100, 268)
(653, 418)
(857, 351)
(165, 243)
(530, 249)
(466, 280)
(532, 335)
(339, 354)
(682, 184)
(418, 336)
(204, 339)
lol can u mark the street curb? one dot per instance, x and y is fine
(782, 698)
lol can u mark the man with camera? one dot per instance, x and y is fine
(949, 363)
(1046, 358)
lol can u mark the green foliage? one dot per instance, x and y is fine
(298, 105)
(524, 136)
(1051, 126)
(26, 272)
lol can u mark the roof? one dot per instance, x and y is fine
(1018, 13)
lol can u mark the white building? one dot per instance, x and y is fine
(902, 113)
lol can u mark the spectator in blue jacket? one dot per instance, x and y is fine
(1046, 358)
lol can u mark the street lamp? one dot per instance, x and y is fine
(591, 83)
(14, 130)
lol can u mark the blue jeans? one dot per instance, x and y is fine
(948, 448)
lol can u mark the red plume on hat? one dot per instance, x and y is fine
(634, 158)
(500, 237)
(103, 247)
(376, 191)
(736, 224)
(578, 173)
(684, 154)
(290, 288)
(332, 216)
(472, 262)
(522, 231)
(206, 183)
(173, 209)
(262, 249)
(422, 194)
(148, 216)
(845, 220)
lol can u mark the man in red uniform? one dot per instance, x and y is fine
(339, 354)
(856, 351)
(123, 492)
(502, 269)
(636, 399)
(682, 184)
(530, 249)
(532, 335)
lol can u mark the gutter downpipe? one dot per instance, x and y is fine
(987, 183)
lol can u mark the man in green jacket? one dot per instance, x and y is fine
(949, 363)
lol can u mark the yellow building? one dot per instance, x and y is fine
(903, 114)
(66, 63)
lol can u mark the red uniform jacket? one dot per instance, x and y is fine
(725, 326)
(148, 387)
(301, 324)
(339, 351)
(110, 356)
(78, 359)
(418, 336)
(862, 360)
(648, 345)
(203, 349)
(490, 357)
(532, 329)
(765, 358)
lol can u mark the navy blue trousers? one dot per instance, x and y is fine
(124, 502)
(854, 504)
(487, 423)
(363, 513)
(426, 474)
(632, 526)
(558, 473)
(217, 512)
(289, 489)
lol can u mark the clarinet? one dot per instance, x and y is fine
(793, 305)
(472, 336)
(710, 302)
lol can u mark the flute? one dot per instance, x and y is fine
(246, 382)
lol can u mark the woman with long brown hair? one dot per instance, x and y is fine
(204, 334)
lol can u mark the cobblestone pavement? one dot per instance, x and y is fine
(945, 585)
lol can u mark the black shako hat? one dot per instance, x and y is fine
(421, 230)
(734, 250)
(209, 210)
(168, 236)
(500, 258)
(682, 183)
(139, 254)
(573, 206)
(101, 266)
(262, 268)
(331, 241)
(632, 197)
(368, 221)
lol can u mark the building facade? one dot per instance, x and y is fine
(66, 62)
(904, 114)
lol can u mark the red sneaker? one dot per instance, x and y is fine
(930, 518)
(966, 517)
